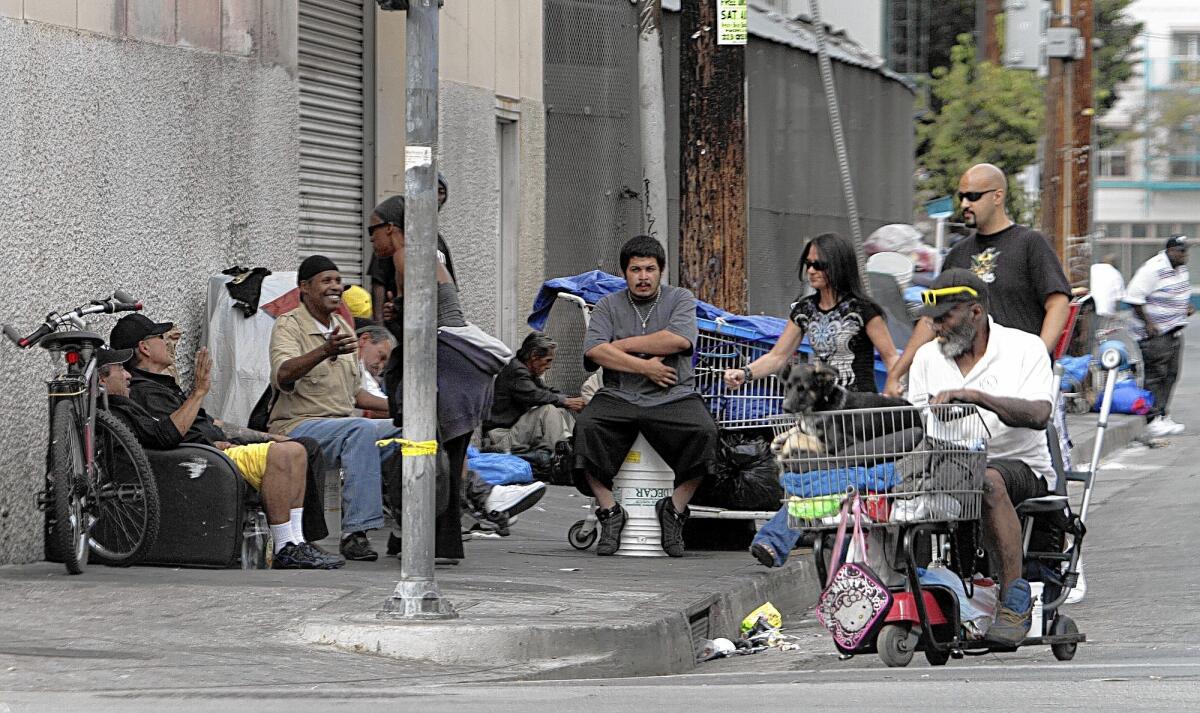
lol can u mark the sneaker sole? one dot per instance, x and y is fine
(763, 555)
(524, 503)
(362, 558)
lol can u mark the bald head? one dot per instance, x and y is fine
(986, 175)
(981, 192)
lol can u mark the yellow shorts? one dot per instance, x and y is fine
(251, 462)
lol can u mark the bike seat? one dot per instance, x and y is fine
(61, 341)
(1046, 503)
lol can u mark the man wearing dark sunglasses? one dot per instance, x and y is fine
(1028, 289)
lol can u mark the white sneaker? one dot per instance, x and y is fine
(1079, 591)
(513, 499)
(1158, 428)
(1176, 428)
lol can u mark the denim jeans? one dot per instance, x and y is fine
(776, 534)
(351, 441)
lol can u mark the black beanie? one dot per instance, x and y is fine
(314, 265)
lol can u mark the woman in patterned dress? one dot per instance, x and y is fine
(845, 329)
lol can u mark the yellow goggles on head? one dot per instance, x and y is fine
(930, 297)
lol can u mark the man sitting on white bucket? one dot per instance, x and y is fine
(643, 337)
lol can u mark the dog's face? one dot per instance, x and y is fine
(808, 387)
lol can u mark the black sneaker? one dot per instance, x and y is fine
(293, 556)
(331, 560)
(764, 554)
(356, 547)
(394, 545)
(672, 526)
(612, 521)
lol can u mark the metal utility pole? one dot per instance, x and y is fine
(653, 123)
(712, 175)
(417, 595)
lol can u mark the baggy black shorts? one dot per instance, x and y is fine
(1019, 480)
(682, 432)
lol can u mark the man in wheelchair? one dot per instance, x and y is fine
(161, 417)
(1007, 374)
(643, 337)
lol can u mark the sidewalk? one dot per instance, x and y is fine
(530, 607)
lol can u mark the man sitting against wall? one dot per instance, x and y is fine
(526, 413)
(316, 371)
(161, 416)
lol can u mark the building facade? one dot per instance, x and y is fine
(149, 144)
(1148, 185)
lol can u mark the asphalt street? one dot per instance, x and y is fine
(1142, 654)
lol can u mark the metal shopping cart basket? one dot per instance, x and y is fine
(909, 465)
(722, 346)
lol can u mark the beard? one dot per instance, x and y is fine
(958, 340)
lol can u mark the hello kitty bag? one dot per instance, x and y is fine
(855, 602)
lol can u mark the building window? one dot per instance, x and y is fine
(1114, 163)
(1185, 56)
(1184, 158)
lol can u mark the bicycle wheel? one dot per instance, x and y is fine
(126, 504)
(68, 483)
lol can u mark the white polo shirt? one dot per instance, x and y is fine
(1015, 365)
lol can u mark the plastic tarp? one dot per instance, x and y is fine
(499, 468)
(240, 347)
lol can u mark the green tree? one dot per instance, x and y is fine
(1113, 61)
(978, 113)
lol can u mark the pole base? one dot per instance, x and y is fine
(417, 599)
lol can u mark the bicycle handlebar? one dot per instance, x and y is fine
(121, 301)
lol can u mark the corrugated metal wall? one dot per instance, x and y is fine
(335, 129)
(793, 183)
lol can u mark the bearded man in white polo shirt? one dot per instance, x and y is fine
(1006, 373)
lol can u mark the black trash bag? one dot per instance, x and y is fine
(746, 475)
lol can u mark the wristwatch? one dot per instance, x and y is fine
(748, 373)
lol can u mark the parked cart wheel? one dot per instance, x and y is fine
(1064, 625)
(578, 539)
(937, 658)
(894, 646)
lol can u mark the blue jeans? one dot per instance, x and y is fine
(776, 534)
(352, 442)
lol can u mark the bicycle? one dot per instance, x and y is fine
(100, 494)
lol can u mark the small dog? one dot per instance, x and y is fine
(812, 388)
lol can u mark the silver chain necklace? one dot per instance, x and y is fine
(644, 320)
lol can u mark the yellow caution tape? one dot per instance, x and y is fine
(411, 448)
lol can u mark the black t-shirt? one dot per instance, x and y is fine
(1021, 271)
(150, 432)
(839, 338)
(160, 395)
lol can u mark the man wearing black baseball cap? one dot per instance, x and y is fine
(161, 415)
(1006, 373)
(1160, 294)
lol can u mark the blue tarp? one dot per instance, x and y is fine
(591, 286)
(499, 468)
(816, 483)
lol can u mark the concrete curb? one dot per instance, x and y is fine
(663, 642)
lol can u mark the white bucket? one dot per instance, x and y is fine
(644, 479)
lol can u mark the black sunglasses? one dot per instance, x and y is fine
(372, 228)
(973, 196)
(818, 265)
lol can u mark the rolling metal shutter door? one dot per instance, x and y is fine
(333, 124)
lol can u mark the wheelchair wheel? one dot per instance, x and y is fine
(127, 514)
(581, 541)
(893, 645)
(1064, 624)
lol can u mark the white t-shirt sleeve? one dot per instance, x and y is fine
(1142, 285)
(918, 380)
(1038, 382)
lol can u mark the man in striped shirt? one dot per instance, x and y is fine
(1160, 294)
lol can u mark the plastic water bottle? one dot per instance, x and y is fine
(1035, 593)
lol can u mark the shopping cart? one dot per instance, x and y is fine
(722, 346)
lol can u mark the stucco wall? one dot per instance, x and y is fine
(127, 164)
